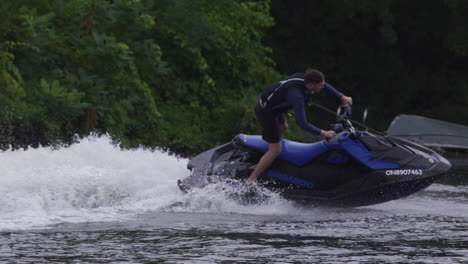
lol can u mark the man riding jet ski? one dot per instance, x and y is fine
(354, 168)
(290, 94)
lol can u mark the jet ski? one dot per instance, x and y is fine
(355, 168)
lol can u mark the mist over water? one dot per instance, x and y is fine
(96, 203)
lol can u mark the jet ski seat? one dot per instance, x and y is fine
(294, 152)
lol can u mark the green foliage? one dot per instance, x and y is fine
(173, 74)
(214, 58)
(184, 74)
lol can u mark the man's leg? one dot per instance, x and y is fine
(282, 124)
(282, 128)
(274, 149)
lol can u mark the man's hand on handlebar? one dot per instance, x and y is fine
(328, 134)
(346, 100)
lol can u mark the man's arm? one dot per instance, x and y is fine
(331, 90)
(295, 98)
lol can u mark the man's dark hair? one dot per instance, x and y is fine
(313, 76)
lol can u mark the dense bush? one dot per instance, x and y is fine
(184, 74)
(178, 74)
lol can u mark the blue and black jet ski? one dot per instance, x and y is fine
(355, 168)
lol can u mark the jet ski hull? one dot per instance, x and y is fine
(346, 171)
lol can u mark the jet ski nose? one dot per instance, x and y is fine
(442, 159)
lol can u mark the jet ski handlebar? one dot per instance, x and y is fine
(343, 123)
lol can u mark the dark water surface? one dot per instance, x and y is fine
(105, 218)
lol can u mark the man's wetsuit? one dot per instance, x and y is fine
(277, 98)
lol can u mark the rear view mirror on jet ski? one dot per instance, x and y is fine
(355, 168)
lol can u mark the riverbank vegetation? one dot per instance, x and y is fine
(184, 74)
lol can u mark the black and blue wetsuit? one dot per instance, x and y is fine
(277, 98)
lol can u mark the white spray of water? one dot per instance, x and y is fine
(97, 181)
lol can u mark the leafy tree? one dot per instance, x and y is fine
(168, 73)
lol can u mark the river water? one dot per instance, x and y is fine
(95, 203)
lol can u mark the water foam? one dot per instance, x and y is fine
(94, 180)
(90, 181)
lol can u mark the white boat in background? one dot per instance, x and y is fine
(448, 138)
